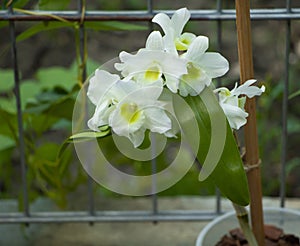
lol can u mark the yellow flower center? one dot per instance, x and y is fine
(130, 112)
(193, 73)
(180, 45)
(185, 41)
(153, 73)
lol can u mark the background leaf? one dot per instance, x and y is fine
(41, 27)
(15, 3)
(96, 26)
(57, 77)
(295, 94)
(114, 26)
(6, 80)
(53, 4)
(6, 142)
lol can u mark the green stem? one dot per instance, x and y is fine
(242, 216)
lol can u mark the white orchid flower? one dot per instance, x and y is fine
(127, 107)
(152, 64)
(138, 111)
(173, 28)
(233, 105)
(105, 91)
(202, 67)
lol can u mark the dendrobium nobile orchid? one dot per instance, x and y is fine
(179, 62)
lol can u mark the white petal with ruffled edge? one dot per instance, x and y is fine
(248, 90)
(235, 115)
(99, 84)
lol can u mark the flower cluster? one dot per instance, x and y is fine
(130, 104)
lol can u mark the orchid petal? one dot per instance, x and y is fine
(179, 19)
(137, 137)
(169, 43)
(157, 120)
(99, 84)
(235, 116)
(172, 83)
(248, 90)
(163, 21)
(122, 89)
(100, 117)
(155, 41)
(214, 64)
(197, 48)
(147, 93)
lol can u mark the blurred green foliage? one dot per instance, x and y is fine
(47, 103)
(269, 124)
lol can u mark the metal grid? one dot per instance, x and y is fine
(218, 15)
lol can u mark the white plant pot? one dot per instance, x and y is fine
(286, 219)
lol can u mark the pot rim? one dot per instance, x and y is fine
(224, 216)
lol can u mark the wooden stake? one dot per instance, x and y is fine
(251, 140)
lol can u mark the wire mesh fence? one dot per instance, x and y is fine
(286, 15)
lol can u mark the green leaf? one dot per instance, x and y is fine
(292, 164)
(114, 26)
(53, 4)
(9, 105)
(40, 123)
(54, 105)
(10, 127)
(28, 90)
(64, 163)
(47, 152)
(15, 3)
(295, 94)
(6, 142)
(6, 80)
(40, 27)
(229, 175)
(226, 170)
(62, 108)
(293, 125)
(57, 77)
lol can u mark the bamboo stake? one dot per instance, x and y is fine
(251, 139)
